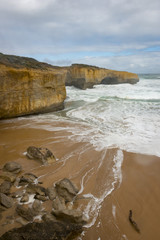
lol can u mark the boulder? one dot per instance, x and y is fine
(42, 154)
(37, 206)
(25, 198)
(27, 178)
(36, 189)
(47, 217)
(73, 215)
(25, 212)
(6, 201)
(51, 193)
(66, 189)
(44, 231)
(5, 187)
(17, 194)
(2, 209)
(41, 198)
(8, 176)
(59, 203)
(12, 167)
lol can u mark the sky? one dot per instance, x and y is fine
(115, 34)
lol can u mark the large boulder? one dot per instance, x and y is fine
(66, 189)
(8, 176)
(6, 201)
(36, 189)
(5, 187)
(25, 212)
(28, 86)
(42, 154)
(27, 178)
(51, 193)
(12, 167)
(70, 215)
(48, 230)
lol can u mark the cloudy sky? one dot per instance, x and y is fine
(115, 34)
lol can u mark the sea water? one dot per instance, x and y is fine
(121, 116)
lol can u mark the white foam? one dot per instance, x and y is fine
(94, 205)
(114, 211)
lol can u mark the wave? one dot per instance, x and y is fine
(142, 91)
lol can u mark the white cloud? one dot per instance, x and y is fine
(32, 27)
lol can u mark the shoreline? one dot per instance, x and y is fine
(91, 171)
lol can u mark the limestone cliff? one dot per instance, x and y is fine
(28, 86)
(85, 76)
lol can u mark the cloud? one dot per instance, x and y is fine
(59, 27)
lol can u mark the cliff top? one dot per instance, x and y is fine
(23, 62)
(26, 62)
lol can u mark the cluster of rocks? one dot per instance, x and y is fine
(26, 195)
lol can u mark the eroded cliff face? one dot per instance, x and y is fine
(84, 76)
(28, 86)
(33, 89)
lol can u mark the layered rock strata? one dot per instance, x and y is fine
(28, 87)
(85, 76)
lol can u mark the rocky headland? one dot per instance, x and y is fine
(30, 87)
(84, 76)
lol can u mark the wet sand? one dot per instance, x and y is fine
(92, 171)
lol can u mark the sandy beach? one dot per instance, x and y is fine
(136, 187)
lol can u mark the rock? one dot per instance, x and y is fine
(73, 216)
(12, 167)
(8, 176)
(2, 209)
(6, 201)
(42, 154)
(84, 76)
(27, 178)
(36, 189)
(29, 87)
(42, 198)
(59, 203)
(5, 187)
(66, 189)
(44, 231)
(48, 217)
(17, 194)
(16, 183)
(25, 198)
(37, 206)
(21, 221)
(25, 212)
(51, 193)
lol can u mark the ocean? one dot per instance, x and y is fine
(117, 116)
